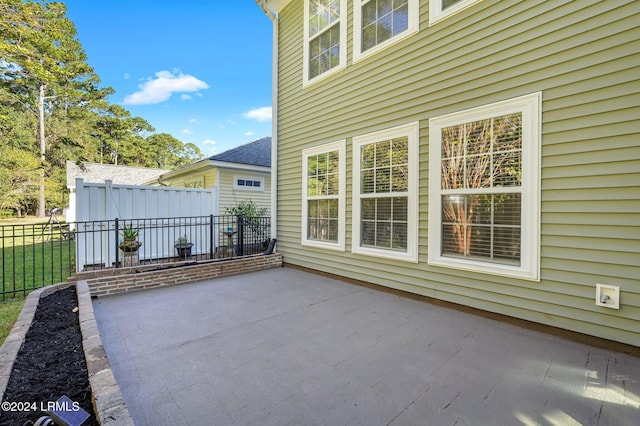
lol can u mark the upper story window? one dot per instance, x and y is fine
(440, 9)
(325, 34)
(385, 193)
(483, 188)
(379, 23)
(323, 200)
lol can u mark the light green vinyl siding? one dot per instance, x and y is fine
(209, 175)
(584, 57)
(230, 196)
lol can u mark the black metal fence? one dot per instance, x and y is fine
(37, 255)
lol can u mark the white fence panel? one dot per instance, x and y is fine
(105, 201)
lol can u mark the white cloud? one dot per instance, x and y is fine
(159, 89)
(208, 142)
(259, 114)
(126, 76)
(233, 123)
(193, 120)
(185, 97)
(186, 131)
(248, 134)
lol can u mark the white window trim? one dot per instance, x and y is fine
(436, 13)
(339, 146)
(343, 46)
(530, 106)
(196, 180)
(248, 188)
(412, 130)
(413, 27)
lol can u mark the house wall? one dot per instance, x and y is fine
(583, 57)
(230, 195)
(209, 175)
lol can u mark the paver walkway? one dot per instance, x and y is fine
(285, 347)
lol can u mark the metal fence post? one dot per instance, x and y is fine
(211, 242)
(116, 239)
(240, 235)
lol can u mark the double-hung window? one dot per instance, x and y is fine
(379, 23)
(325, 35)
(385, 193)
(484, 188)
(440, 9)
(323, 201)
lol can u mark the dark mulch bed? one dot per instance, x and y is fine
(50, 362)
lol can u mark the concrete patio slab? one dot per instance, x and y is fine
(285, 347)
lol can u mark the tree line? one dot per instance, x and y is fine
(53, 108)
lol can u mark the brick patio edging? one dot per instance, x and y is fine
(112, 281)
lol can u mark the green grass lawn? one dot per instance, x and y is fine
(32, 255)
(9, 312)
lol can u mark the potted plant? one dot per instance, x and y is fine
(130, 241)
(183, 247)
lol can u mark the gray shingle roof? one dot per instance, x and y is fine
(257, 153)
(98, 173)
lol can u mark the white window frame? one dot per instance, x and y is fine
(248, 188)
(339, 146)
(413, 27)
(530, 106)
(436, 13)
(194, 181)
(412, 131)
(343, 45)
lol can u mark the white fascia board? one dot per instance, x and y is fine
(274, 6)
(240, 166)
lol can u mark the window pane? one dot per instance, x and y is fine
(383, 180)
(333, 162)
(383, 153)
(384, 7)
(452, 168)
(400, 20)
(368, 234)
(368, 209)
(478, 137)
(507, 244)
(399, 241)
(448, 3)
(367, 156)
(478, 171)
(484, 226)
(367, 182)
(508, 132)
(383, 209)
(400, 209)
(507, 168)
(400, 178)
(383, 234)
(507, 209)
(369, 13)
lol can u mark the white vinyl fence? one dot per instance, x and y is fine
(95, 244)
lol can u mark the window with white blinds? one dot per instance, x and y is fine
(324, 195)
(385, 193)
(484, 188)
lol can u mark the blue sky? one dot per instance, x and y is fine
(198, 70)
